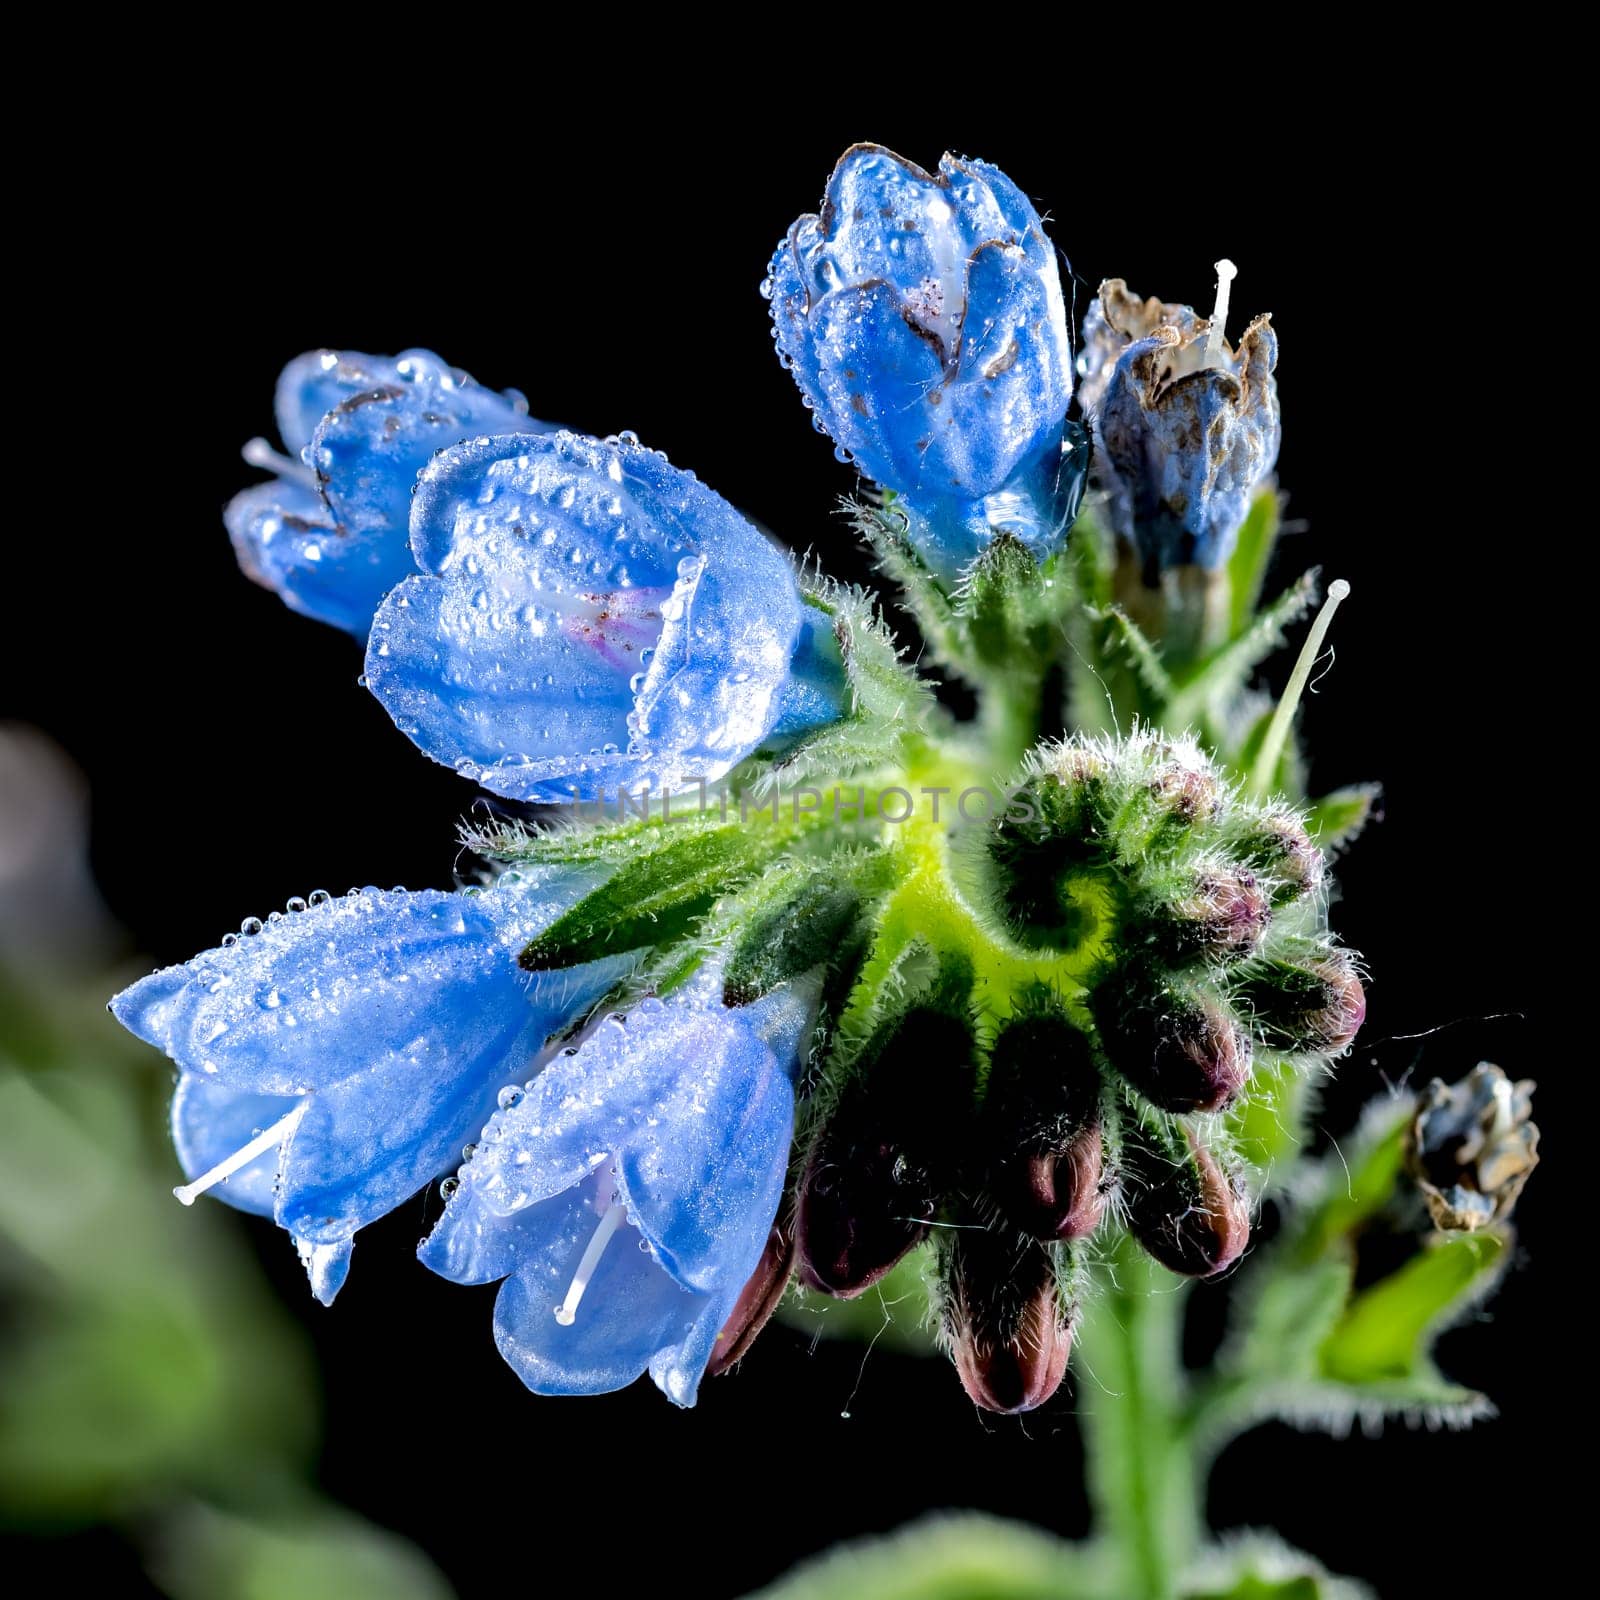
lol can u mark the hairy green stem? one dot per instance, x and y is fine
(1143, 1477)
(1009, 717)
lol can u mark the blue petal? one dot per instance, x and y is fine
(571, 1118)
(922, 316)
(704, 1186)
(313, 384)
(1185, 446)
(327, 1265)
(703, 1172)
(366, 424)
(591, 620)
(676, 1369)
(629, 1311)
(320, 996)
(210, 1121)
(284, 538)
(369, 1143)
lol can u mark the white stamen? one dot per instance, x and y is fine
(1278, 729)
(1226, 273)
(224, 1169)
(567, 1311)
(261, 454)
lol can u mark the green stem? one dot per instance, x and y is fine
(1010, 715)
(1143, 1477)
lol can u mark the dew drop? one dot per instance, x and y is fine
(295, 905)
(318, 897)
(448, 1187)
(509, 1097)
(229, 939)
(251, 926)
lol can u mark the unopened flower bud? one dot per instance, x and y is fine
(1181, 1206)
(1278, 847)
(1312, 1005)
(1178, 1045)
(757, 1300)
(1189, 794)
(1051, 829)
(1472, 1147)
(1221, 917)
(1009, 1332)
(886, 1155)
(1041, 1126)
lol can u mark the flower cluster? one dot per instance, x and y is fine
(658, 1064)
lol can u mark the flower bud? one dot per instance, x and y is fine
(1222, 916)
(1185, 424)
(1041, 1127)
(1009, 1332)
(921, 314)
(1051, 830)
(1178, 1045)
(1312, 1005)
(887, 1153)
(1181, 1206)
(757, 1301)
(1472, 1147)
(1278, 847)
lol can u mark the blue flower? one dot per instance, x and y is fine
(334, 1060)
(590, 620)
(1186, 426)
(628, 1198)
(328, 533)
(921, 314)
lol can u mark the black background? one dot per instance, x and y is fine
(609, 270)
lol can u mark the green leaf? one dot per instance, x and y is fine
(1382, 1342)
(1261, 1567)
(950, 1557)
(1337, 818)
(317, 1554)
(1127, 638)
(884, 532)
(657, 896)
(887, 700)
(1290, 1318)
(807, 914)
(1252, 554)
(1352, 1184)
(582, 842)
(1216, 682)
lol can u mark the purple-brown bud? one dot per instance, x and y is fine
(1188, 794)
(1186, 1211)
(887, 1154)
(1179, 1046)
(1280, 849)
(757, 1301)
(1222, 917)
(1009, 1333)
(1313, 1005)
(1041, 1127)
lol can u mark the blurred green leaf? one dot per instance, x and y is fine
(318, 1554)
(1339, 816)
(1252, 554)
(1260, 1567)
(1384, 1335)
(948, 1558)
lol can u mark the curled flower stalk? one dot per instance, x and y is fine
(776, 982)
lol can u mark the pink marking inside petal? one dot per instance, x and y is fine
(619, 626)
